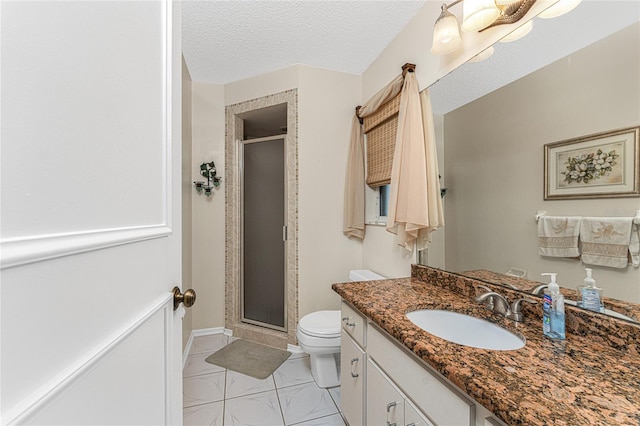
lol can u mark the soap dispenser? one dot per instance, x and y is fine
(553, 310)
(590, 295)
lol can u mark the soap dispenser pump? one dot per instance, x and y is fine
(590, 295)
(553, 323)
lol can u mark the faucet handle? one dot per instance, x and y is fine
(489, 304)
(516, 309)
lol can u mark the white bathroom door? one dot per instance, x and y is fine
(90, 218)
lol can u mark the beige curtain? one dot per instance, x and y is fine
(353, 225)
(415, 205)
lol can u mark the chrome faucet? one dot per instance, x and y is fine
(499, 304)
(538, 290)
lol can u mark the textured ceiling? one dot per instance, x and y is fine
(226, 41)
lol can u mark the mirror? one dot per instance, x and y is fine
(571, 76)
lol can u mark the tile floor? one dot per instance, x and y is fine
(290, 396)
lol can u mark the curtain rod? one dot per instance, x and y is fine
(405, 69)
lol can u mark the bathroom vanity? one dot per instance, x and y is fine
(393, 372)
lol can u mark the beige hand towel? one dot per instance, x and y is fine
(606, 241)
(558, 236)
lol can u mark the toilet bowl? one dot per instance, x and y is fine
(319, 335)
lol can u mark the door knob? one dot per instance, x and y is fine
(188, 298)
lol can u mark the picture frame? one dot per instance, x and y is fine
(601, 165)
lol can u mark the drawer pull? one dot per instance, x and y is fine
(354, 362)
(411, 424)
(389, 407)
(346, 322)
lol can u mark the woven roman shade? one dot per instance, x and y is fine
(381, 128)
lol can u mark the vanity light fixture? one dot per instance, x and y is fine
(560, 8)
(207, 170)
(478, 15)
(483, 55)
(518, 33)
(446, 35)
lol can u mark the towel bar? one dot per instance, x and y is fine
(540, 213)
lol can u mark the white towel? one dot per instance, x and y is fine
(634, 245)
(607, 241)
(558, 236)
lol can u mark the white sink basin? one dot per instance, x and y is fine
(465, 330)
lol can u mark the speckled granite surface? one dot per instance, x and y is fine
(577, 381)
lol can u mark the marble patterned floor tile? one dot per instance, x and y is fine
(332, 420)
(305, 402)
(293, 372)
(203, 389)
(196, 365)
(239, 384)
(336, 396)
(209, 343)
(259, 409)
(206, 414)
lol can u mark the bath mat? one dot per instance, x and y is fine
(251, 359)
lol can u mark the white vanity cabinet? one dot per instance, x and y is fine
(386, 404)
(383, 384)
(353, 366)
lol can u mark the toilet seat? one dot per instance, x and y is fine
(321, 324)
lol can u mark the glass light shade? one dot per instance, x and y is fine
(478, 14)
(483, 55)
(560, 8)
(518, 33)
(446, 36)
(502, 3)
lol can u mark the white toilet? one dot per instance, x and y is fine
(319, 336)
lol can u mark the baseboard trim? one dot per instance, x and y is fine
(294, 349)
(202, 332)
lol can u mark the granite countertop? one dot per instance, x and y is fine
(576, 381)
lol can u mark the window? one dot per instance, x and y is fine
(383, 203)
(377, 205)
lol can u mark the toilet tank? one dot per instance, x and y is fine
(364, 275)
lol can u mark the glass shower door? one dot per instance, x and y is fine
(264, 234)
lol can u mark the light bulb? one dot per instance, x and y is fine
(478, 14)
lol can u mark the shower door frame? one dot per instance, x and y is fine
(234, 132)
(285, 221)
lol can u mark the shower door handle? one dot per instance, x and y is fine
(285, 233)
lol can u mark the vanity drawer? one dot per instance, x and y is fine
(354, 324)
(429, 392)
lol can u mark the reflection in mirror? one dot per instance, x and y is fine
(575, 75)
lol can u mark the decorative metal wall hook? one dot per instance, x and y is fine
(207, 170)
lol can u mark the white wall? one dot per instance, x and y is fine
(494, 161)
(413, 45)
(208, 212)
(325, 102)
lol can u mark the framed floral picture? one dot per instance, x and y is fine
(602, 165)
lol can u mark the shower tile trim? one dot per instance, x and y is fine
(234, 133)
